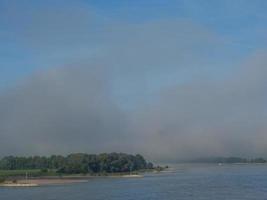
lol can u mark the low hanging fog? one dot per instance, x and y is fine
(168, 89)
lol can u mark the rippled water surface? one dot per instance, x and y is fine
(183, 182)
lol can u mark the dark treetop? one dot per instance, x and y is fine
(79, 163)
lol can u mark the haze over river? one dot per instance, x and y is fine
(183, 182)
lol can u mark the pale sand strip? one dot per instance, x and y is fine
(34, 182)
(18, 185)
(41, 182)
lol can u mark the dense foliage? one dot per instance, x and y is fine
(79, 163)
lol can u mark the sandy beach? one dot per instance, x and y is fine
(42, 182)
(34, 182)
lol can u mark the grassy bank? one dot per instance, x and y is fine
(18, 174)
(38, 173)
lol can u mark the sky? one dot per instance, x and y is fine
(171, 80)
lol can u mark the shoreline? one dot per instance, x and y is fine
(56, 180)
(63, 179)
(41, 182)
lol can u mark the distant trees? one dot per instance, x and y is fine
(258, 160)
(229, 160)
(79, 163)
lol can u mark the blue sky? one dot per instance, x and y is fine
(241, 24)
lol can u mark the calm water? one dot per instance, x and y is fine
(184, 182)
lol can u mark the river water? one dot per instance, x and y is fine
(183, 182)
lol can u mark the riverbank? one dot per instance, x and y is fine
(34, 178)
(41, 182)
(62, 180)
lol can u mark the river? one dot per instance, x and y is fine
(182, 182)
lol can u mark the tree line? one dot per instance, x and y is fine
(229, 160)
(78, 163)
